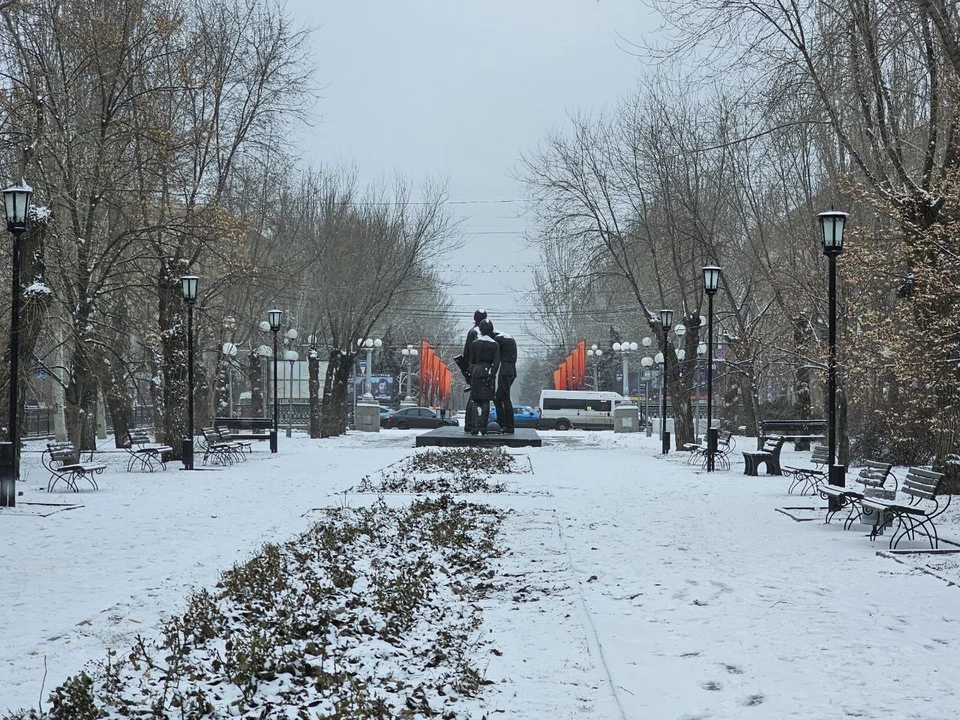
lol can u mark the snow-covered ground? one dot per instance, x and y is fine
(633, 585)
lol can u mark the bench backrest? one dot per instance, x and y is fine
(820, 455)
(63, 453)
(922, 484)
(211, 434)
(790, 427)
(243, 423)
(772, 443)
(875, 474)
(137, 436)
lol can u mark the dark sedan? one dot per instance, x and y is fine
(417, 417)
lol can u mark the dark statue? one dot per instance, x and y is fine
(505, 378)
(463, 362)
(484, 366)
(489, 365)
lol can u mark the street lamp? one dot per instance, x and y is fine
(666, 320)
(291, 356)
(701, 351)
(274, 317)
(711, 282)
(595, 353)
(188, 286)
(625, 349)
(409, 355)
(658, 359)
(229, 352)
(370, 344)
(16, 204)
(832, 224)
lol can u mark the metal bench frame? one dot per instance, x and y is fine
(148, 455)
(249, 425)
(809, 478)
(217, 450)
(921, 485)
(726, 443)
(62, 460)
(872, 478)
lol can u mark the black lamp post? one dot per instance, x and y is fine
(188, 285)
(666, 320)
(831, 238)
(275, 316)
(16, 203)
(711, 281)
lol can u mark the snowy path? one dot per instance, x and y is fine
(635, 586)
(708, 604)
(80, 581)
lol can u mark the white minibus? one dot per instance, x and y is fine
(565, 409)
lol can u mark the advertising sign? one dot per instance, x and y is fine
(381, 387)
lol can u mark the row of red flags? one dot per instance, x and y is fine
(435, 378)
(571, 374)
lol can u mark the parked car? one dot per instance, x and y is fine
(524, 416)
(417, 417)
(385, 414)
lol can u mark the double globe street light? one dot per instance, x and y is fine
(291, 356)
(595, 353)
(666, 322)
(369, 344)
(410, 354)
(625, 348)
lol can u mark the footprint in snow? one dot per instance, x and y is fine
(752, 700)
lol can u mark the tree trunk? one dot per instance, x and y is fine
(81, 393)
(843, 432)
(34, 309)
(172, 413)
(801, 379)
(315, 414)
(255, 372)
(333, 421)
(221, 393)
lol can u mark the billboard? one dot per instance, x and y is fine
(381, 386)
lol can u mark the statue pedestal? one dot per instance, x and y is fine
(368, 415)
(407, 402)
(626, 419)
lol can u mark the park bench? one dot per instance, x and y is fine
(808, 478)
(146, 455)
(227, 436)
(872, 479)
(917, 513)
(62, 461)
(218, 450)
(768, 454)
(245, 428)
(800, 432)
(725, 445)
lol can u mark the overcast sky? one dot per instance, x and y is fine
(456, 90)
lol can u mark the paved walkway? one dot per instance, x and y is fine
(661, 592)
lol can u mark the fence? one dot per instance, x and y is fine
(38, 421)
